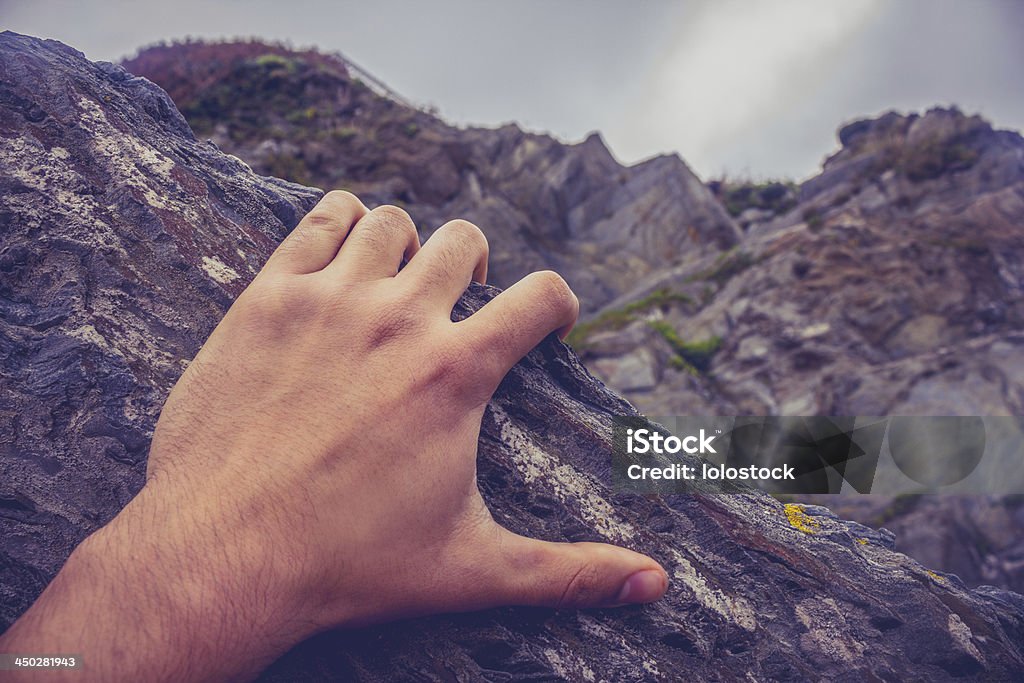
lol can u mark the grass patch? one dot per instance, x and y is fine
(617, 318)
(932, 158)
(692, 356)
(924, 160)
(274, 61)
(726, 266)
(776, 196)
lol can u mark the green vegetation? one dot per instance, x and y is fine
(815, 221)
(776, 196)
(411, 129)
(695, 355)
(302, 115)
(617, 318)
(344, 133)
(727, 265)
(273, 61)
(924, 160)
(933, 158)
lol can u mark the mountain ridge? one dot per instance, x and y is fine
(544, 203)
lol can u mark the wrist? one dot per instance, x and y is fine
(154, 596)
(200, 581)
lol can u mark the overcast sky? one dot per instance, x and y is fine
(746, 87)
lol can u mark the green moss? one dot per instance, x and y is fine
(679, 363)
(617, 318)
(727, 265)
(695, 355)
(271, 60)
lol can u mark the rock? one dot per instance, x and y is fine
(921, 333)
(752, 348)
(908, 242)
(124, 241)
(542, 203)
(635, 371)
(894, 287)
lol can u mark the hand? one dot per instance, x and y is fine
(315, 466)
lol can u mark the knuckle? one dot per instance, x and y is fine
(582, 589)
(555, 292)
(330, 210)
(340, 197)
(467, 233)
(393, 215)
(320, 218)
(389, 223)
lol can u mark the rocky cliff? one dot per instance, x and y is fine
(302, 116)
(893, 286)
(123, 241)
(889, 283)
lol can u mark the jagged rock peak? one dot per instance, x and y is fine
(910, 152)
(921, 147)
(541, 202)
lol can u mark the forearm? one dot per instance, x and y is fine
(144, 599)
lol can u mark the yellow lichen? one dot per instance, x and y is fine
(937, 577)
(800, 520)
(862, 541)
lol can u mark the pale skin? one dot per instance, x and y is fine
(272, 509)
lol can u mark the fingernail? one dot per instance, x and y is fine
(642, 586)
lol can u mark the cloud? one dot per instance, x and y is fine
(752, 87)
(734, 68)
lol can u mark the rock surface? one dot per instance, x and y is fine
(889, 283)
(124, 240)
(895, 286)
(544, 204)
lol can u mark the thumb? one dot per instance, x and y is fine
(544, 574)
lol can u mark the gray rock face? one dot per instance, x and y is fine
(542, 203)
(890, 282)
(895, 286)
(123, 242)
